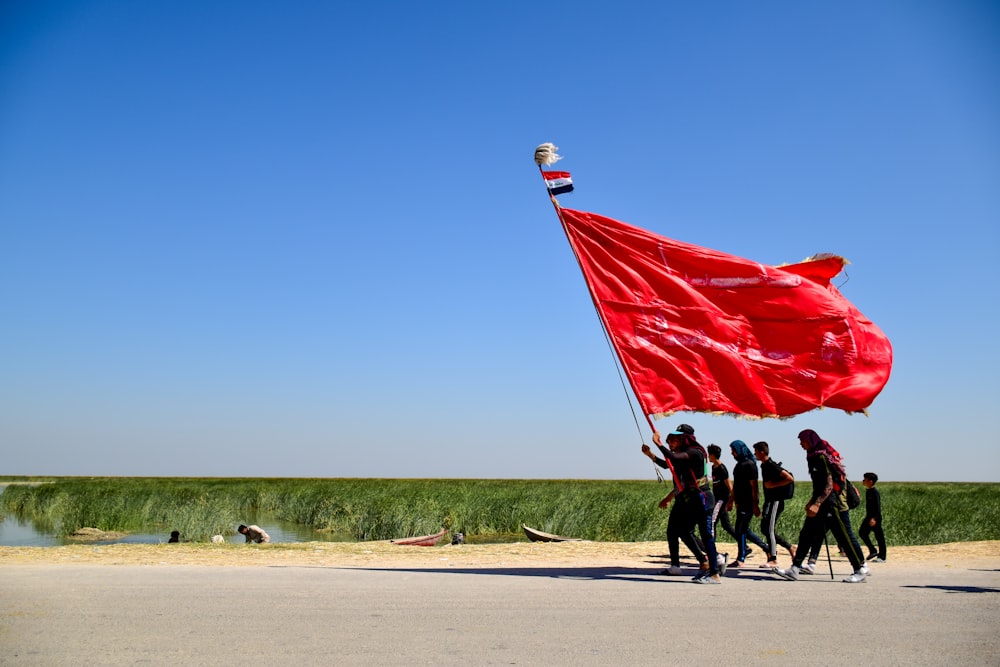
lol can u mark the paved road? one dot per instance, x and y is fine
(186, 615)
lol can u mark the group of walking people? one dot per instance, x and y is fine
(704, 494)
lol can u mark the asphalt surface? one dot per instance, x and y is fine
(191, 615)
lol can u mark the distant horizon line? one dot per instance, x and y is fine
(13, 479)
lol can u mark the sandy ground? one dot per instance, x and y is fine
(388, 555)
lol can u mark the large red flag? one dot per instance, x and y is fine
(699, 330)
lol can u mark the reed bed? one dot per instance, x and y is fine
(485, 510)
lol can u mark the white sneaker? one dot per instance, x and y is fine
(856, 578)
(672, 571)
(792, 573)
(808, 568)
(723, 561)
(864, 569)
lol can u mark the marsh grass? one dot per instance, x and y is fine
(485, 510)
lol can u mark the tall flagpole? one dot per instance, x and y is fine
(545, 154)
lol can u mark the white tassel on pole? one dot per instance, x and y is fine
(545, 154)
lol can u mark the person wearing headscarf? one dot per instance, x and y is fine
(688, 460)
(746, 499)
(826, 508)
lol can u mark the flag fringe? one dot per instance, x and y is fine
(737, 415)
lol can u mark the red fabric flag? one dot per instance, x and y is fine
(702, 331)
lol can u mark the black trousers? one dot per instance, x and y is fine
(865, 533)
(769, 526)
(695, 510)
(814, 530)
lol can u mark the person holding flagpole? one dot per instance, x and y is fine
(688, 460)
(678, 528)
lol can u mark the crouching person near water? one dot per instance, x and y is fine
(254, 534)
(687, 459)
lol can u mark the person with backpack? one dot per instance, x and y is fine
(779, 486)
(851, 499)
(826, 508)
(688, 459)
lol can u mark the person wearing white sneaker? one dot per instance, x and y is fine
(825, 508)
(856, 578)
(673, 540)
(746, 500)
(678, 529)
(779, 486)
(722, 489)
(689, 462)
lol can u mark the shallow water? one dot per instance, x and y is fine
(17, 533)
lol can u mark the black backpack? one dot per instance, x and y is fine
(853, 495)
(784, 492)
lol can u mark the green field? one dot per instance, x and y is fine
(485, 510)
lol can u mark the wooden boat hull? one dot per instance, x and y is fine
(422, 541)
(540, 536)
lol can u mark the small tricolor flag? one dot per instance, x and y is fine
(558, 182)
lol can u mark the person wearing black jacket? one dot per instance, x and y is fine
(826, 508)
(776, 481)
(687, 458)
(746, 500)
(722, 489)
(872, 523)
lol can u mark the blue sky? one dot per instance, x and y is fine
(308, 239)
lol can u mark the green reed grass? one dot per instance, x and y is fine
(485, 510)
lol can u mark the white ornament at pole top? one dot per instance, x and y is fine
(545, 154)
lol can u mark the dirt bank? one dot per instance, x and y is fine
(386, 554)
